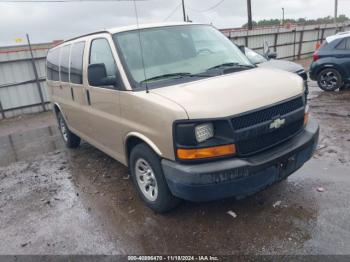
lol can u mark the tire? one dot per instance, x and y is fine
(329, 79)
(150, 183)
(70, 139)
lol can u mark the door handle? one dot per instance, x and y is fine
(72, 93)
(88, 97)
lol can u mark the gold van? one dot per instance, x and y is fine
(183, 108)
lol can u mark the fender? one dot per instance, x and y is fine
(330, 65)
(143, 138)
(59, 108)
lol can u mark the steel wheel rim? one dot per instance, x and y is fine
(63, 129)
(329, 80)
(146, 179)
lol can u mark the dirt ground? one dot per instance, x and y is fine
(59, 201)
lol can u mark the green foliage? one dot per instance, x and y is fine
(302, 21)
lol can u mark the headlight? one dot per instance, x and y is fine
(204, 132)
(197, 140)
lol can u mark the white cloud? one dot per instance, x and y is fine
(49, 21)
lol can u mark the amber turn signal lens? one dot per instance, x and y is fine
(199, 153)
(306, 118)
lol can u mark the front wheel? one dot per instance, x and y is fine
(147, 175)
(329, 79)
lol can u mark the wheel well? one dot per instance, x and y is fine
(340, 70)
(131, 142)
(56, 109)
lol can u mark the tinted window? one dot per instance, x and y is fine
(341, 45)
(53, 65)
(76, 63)
(344, 44)
(101, 53)
(64, 63)
(347, 46)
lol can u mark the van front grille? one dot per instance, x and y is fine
(268, 140)
(252, 130)
(267, 114)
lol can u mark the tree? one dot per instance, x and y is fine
(302, 21)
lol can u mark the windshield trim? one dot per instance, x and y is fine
(136, 86)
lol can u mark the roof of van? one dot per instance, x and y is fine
(337, 36)
(144, 26)
(130, 28)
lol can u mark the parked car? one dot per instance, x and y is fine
(331, 63)
(268, 60)
(183, 108)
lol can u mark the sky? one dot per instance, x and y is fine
(45, 22)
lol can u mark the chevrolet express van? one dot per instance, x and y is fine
(183, 108)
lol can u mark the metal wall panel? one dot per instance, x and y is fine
(18, 88)
(288, 40)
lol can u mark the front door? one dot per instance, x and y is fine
(104, 101)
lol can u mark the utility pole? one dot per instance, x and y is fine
(336, 13)
(183, 10)
(282, 16)
(250, 22)
(35, 71)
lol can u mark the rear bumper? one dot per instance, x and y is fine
(240, 177)
(312, 72)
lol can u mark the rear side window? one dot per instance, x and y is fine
(344, 44)
(101, 53)
(347, 46)
(53, 65)
(76, 63)
(64, 63)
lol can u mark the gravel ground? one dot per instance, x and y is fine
(59, 201)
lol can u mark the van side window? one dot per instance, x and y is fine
(64, 63)
(53, 65)
(76, 63)
(101, 52)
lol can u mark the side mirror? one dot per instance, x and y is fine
(272, 55)
(97, 76)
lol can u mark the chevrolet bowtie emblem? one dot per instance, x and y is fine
(277, 123)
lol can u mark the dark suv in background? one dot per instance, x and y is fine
(331, 65)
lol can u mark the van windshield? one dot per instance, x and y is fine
(176, 54)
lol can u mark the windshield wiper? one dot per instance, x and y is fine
(176, 75)
(230, 65)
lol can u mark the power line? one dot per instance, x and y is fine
(172, 12)
(208, 9)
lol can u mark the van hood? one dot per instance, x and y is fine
(235, 93)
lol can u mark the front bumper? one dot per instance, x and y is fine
(240, 177)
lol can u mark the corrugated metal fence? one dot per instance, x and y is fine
(294, 42)
(19, 91)
(19, 88)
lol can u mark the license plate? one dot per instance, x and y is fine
(287, 166)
